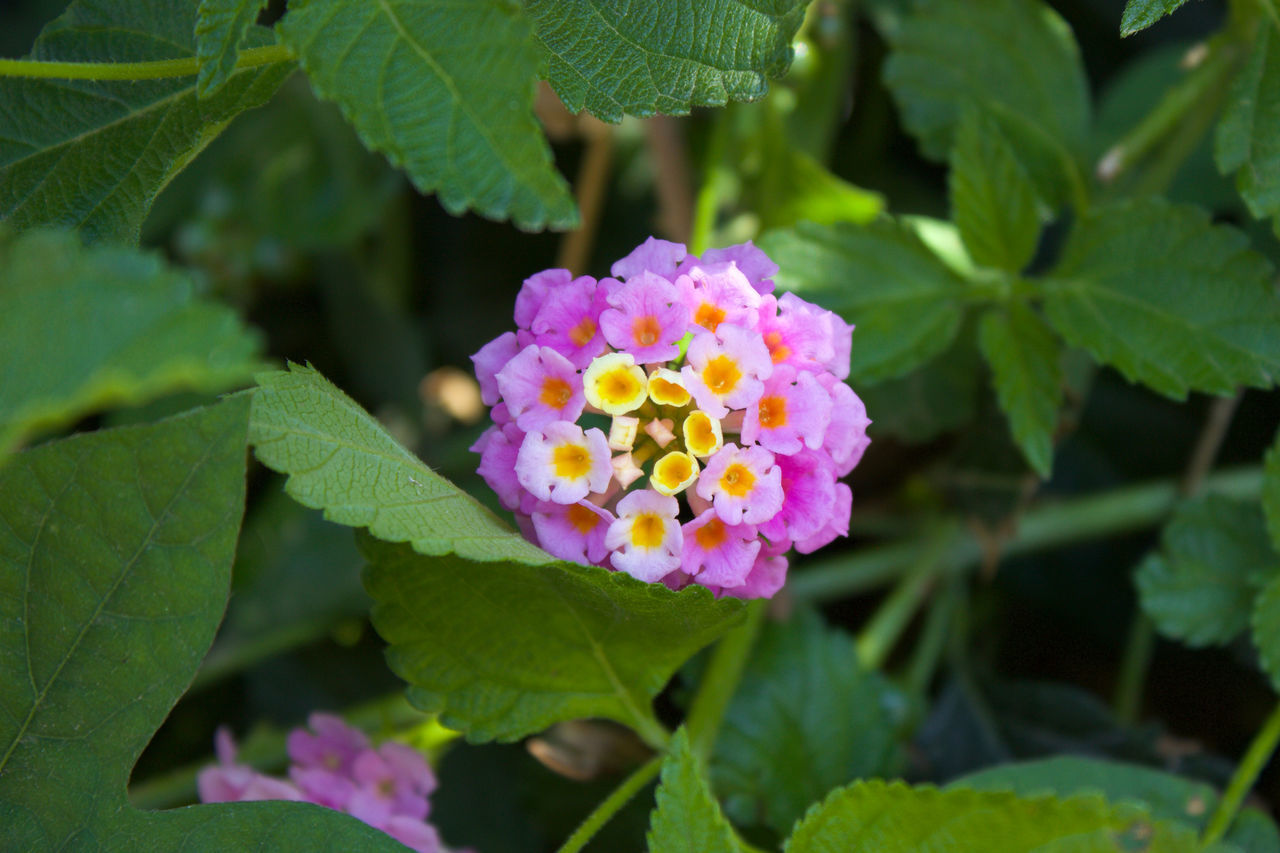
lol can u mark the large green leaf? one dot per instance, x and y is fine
(341, 460)
(905, 302)
(664, 56)
(688, 818)
(115, 559)
(445, 90)
(502, 650)
(1169, 797)
(221, 26)
(1025, 360)
(1248, 136)
(993, 201)
(94, 154)
(1017, 62)
(1168, 299)
(895, 818)
(82, 329)
(1140, 14)
(1215, 556)
(806, 719)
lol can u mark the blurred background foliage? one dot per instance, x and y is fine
(330, 253)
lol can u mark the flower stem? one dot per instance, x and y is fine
(720, 680)
(154, 70)
(1255, 759)
(933, 638)
(1065, 522)
(707, 204)
(881, 634)
(612, 804)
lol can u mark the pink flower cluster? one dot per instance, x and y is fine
(677, 422)
(335, 766)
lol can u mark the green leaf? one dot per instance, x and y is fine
(341, 460)
(95, 153)
(1140, 14)
(906, 303)
(1247, 141)
(1025, 360)
(115, 559)
(992, 200)
(502, 650)
(796, 187)
(1265, 622)
(891, 817)
(1169, 797)
(805, 720)
(221, 26)
(1271, 492)
(665, 56)
(83, 329)
(1214, 557)
(445, 90)
(1017, 62)
(1170, 300)
(688, 818)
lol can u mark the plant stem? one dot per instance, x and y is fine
(1255, 759)
(720, 680)
(1076, 520)
(593, 181)
(1142, 632)
(612, 804)
(882, 632)
(188, 67)
(933, 638)
(707, 204)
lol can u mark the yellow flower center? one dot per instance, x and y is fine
(614, 384)
(555, 392)
(666, 393)
(711, 535)
(721, 375)
(708, 316)
(702, 434)
(674, 473)
(583, 332)
(571, 461)
(737, 480)
(647, 530)
(773, 412)
(583, 519)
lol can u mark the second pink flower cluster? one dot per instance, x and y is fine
(676, 421)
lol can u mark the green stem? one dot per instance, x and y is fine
(1133, 668)
(157, 69)
(1255, 759)
(882, 633)
(612, 804)
(1076, 520)
(1168, 115)
(707, 204)
(933, 639)
(720, 680)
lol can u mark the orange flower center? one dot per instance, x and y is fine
(778, 351)
(646, 330)
(555, 392)
(647, 530)
(583, 519)
(711, 535)
(721, 375)
(571, 461)
(708, 316)
(582, 333)
(773, 412)
(737, 480)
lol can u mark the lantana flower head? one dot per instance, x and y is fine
(335, 766)
(679, 422)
